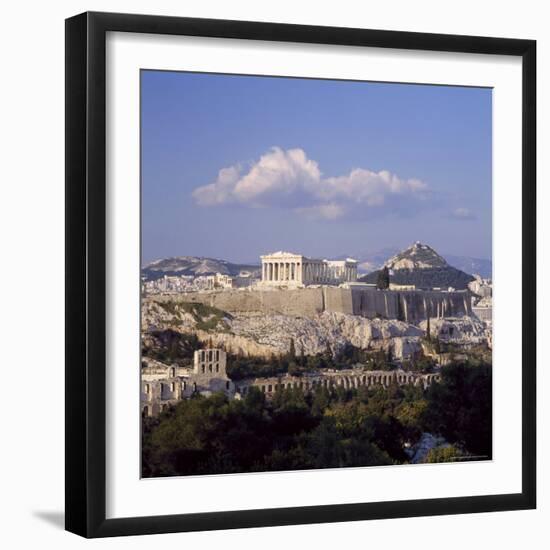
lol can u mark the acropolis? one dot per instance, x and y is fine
(295, 270)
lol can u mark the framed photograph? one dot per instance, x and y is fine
(294, 256)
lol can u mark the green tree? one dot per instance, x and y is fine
(294, 369)
(460, 407)
(447, 453)
(292, 350)
(428, 331)
(383, 280)
(328, 352)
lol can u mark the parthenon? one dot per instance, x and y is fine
(289, 269)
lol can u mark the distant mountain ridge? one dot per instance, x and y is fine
(193, 266)
(368, 263)
(473, 266)
(420, 265)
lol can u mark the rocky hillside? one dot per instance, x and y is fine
(262, 335)
(171, 331)
(372, 261)
(193, 265)
(417, 256)
(422, 266)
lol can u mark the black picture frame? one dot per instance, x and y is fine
(86, 274)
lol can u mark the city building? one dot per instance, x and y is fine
(395, 286)
(220, 280)
(483, 309)
(481, 287)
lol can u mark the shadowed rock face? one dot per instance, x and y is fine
(410, 306)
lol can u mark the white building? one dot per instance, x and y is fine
(483, 309)
(289, 269)
(220, 280)
(481, 287)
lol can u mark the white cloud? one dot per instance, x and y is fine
(463, 214)
(289, 179)
(329, 211)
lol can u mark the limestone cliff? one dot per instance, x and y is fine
(262, 335)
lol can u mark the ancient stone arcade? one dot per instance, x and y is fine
(161, 388)
(347, 379)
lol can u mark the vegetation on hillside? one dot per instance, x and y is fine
(206, 317)
(325, 429)
(383, 279)
(170, 346)
(349, 356)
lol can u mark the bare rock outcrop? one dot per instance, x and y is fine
(461, 331)
(263, 335)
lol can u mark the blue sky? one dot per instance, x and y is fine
(238, 166)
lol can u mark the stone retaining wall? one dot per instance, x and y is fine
(409, 306)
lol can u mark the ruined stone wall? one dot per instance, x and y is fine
(409, 306)
(158, 395)
(346, 379)
(303, 302)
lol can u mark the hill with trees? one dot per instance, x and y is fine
(421, 266)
